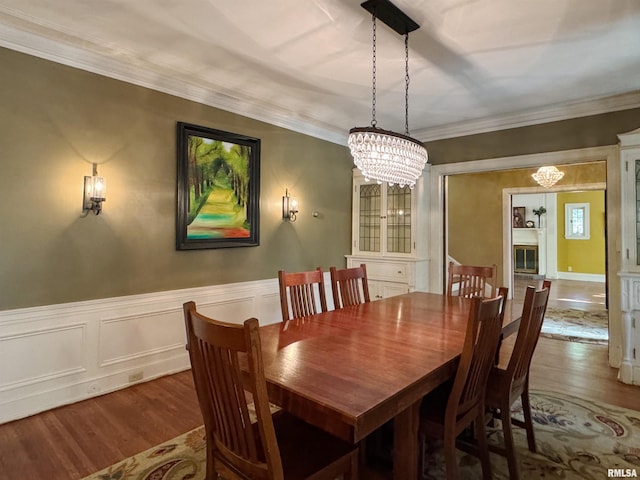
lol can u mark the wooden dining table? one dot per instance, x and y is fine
(349, 371)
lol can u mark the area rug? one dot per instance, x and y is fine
(576, 325)
(576, 439)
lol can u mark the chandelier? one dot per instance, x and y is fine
(380, 154)
(547, 176)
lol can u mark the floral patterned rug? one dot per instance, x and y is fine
(577, 439)
(576, 325)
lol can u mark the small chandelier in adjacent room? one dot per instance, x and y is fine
(380, 154)
(547, 176)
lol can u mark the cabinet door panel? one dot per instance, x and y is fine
(398, 219)
(370, 218)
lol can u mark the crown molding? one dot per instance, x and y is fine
(96, 59)
(537, 116)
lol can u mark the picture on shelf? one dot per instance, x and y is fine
(518, 217)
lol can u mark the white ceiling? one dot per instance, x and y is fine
(475, 65)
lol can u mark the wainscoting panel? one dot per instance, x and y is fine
(132, 337)
(59, 354)
(54, 353)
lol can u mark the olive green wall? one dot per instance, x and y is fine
(474, 206)
(591, 131)
(56, 120)
(583, 256)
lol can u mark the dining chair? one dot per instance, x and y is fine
(506, 385)
(298, 296)
(349, 286)
(271, 447)
(469, 280)
(456, 405)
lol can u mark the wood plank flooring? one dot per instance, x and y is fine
(74, 441)
(587, 296)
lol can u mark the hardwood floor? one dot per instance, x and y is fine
(76, 440)
(71, 442)
(587, 296)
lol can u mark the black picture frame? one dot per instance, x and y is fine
(221, 164)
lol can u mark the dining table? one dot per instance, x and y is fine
(349, 371)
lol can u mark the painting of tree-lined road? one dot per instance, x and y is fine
(218, 204)
(219, 177)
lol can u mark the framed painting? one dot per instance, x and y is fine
(218, 189)
(519, 214)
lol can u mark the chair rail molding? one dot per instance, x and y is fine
(59, 354)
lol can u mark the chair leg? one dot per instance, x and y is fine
(451, 463)
(512, 461)
(354, 472)
(422, 455)
(528, 422)
(483, 446)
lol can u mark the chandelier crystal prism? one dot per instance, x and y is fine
(383, 155)
(547, 176)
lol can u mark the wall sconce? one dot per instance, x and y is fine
(289, 207)
(95, 189)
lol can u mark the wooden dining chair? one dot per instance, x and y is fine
(456, 405)
(350, 286)
(302, 293)
(468, 280)
(506, 385)
(271, 447)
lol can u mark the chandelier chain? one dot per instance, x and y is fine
(373, 73)
(406, 84)
(383, 155)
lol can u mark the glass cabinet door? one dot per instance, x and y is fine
(398, 219)
(384, 219)
(370, 217)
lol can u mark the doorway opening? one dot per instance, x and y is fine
(438, 242)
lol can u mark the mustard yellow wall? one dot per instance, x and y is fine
(474, 209)
(583, 256)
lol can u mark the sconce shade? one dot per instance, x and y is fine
(95, 192)
(547, 176)
(289, 207)
(97, 188)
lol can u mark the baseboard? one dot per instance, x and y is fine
(582, 277)
(59, 354)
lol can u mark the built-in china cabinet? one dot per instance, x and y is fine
(389, 235)
(630, 272)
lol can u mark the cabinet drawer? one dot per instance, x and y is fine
(391, 271)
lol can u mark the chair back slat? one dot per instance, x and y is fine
(350, 286)
(481, 342)
(468, 281)
(302, 293)
(533, 311)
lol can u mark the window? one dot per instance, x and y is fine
(576, 221)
